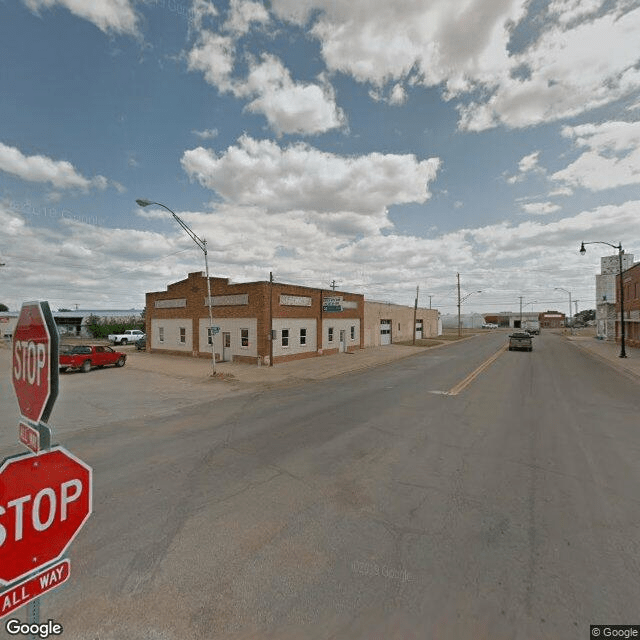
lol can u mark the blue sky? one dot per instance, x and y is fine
(381, 145)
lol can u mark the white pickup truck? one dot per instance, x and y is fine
(129, 336)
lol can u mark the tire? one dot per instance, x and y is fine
(124, 341)
(86, 366)
(120, 362)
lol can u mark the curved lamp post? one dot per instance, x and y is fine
(202, 243)
(623, 353)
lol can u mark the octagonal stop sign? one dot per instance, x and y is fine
(44, 501)
(35, 361)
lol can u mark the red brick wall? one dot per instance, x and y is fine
(194, 291)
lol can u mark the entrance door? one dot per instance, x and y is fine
(226, 346)
(385, 332)
(342, 341)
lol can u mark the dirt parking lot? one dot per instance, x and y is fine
(89, 400)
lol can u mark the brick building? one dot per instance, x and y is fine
(631, 282)
(552, 319)
(304, 322)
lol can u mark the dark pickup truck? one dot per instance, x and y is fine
(520, 342)
(84, 357)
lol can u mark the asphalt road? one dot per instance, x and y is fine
(372, 505)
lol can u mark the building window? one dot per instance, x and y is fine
(209, 336)
(285, 337)
(303, 336)
(244, 338)
(160, 334)
(353, 332)
(183, 335)
(330, 338)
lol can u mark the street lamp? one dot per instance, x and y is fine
(569, 292)
(623, 353)
(202, 243)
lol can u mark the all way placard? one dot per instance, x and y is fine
(22, 593)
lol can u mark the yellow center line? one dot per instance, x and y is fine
(454, 391)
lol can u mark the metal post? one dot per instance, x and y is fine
(213, 348)
(623, 352)
(415, 311)
(142, 202)
(459, 320)
(271, 317)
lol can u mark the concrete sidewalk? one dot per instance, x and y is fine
(609, 352)
(316, 368)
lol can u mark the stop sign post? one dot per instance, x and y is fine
(45, 499)
(45, 496)
(35, 361)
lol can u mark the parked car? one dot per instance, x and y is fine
(489, 325)
(141, 344)
(520, 341)
(85, 357)
(130, 335)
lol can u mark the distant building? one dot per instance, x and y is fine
(511, 319)
(385, 323)
(72, 323)
(552, 319)
(467, 320)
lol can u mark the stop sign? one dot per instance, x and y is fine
(44, 501)
(35, 361)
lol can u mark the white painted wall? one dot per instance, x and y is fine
(172, 334)
(294, 325)
(338, 324)
(233, 326)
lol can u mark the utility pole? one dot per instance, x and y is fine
(459, 320)
(575, 302)
(429, 302)
(521, 310)
(271, 318)
(333, 285)
(415, 311)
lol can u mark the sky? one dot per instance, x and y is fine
(381, 146)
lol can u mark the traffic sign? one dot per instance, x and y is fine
(24, 592)
(45, 500)
(35, 361)
(215, 330)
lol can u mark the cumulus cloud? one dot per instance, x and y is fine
(206, 134)
(540, 208)
(244, 12)
(527, 164)
(288, 106)
(611, 159)
(60, 173)
(300, 177)
(213, 55)
(467, 48)
(110, 16)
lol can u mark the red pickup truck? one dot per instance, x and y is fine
(85, 357)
